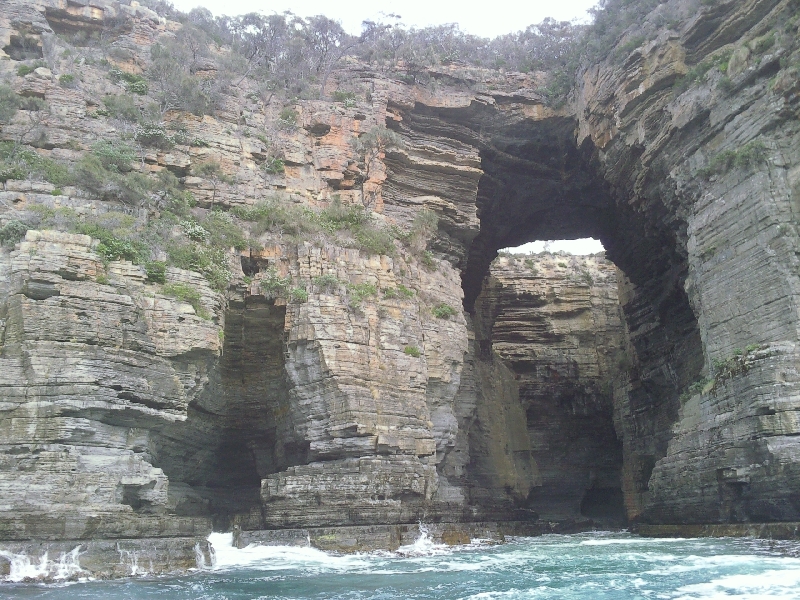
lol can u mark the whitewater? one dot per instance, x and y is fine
(590, 565)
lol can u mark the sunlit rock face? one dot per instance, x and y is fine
(424, 381)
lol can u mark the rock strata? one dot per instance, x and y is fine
(373, 378)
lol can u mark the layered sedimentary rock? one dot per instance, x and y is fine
(555, 321)
(680, 153)
(129, 414)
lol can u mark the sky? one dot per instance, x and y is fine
(479, 18)
(487, 19)
(581, 246)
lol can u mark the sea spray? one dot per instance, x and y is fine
(24, 568)
(227, 556)
(617, 566)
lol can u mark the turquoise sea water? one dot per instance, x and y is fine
(591, 565)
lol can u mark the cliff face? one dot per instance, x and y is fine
(555, 321)
(338, 382)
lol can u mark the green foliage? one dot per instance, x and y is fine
(327, 282)
(136, 84)
(93, 176)
(188, 294)
(298, 295)
(212, 263)
(400, 291)
(303, 222)
(172, 196)
(9, 103)
(736, 364)
(412, 351)
(122, 107)
(725, 84)
(273, 165)
(223, 232)
(114, 247)
(155, 135)
(274, 286)
(287, 119)
(114, 155)
(346, 98)
(102, 279)
(424, 226)
(156, 271)
(701, 386)
(443, 311)
(748, 156)
(23, 163)
(621, 52)
(764, 43)
(427, 260)
(23, 70)
(67, 80)
(374, 240)
(358, 292)
(699, 71)
(12, 232)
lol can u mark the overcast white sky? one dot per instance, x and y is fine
(487, 19)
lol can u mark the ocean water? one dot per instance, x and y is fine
(594, 565)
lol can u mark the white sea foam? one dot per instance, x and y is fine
(226, 556)
(782, 584)
(424, 545)
(24, 567)
(636, 541)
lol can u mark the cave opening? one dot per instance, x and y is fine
(594, 425)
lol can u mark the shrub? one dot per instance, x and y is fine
(425, 224)
(346, 98)
(443, 311)
(412, 351)
(747, 156)
(113, 247)
(427, 260)
(23, 70)
(273, 166)
(16, 163)
(188, 294)
(156, 271)
(287, 119)
(12, 232)
(223, 232)
(298, 295)
(359, 292)
(108, 183)
(122, 107)
(9, 103)
(374, 240)
(275, 286)
(66, 80)
(155, 135)
(211, 262)
(327, 282)
(136, 84)
(114, 155)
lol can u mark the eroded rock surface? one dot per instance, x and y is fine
(409, 384)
